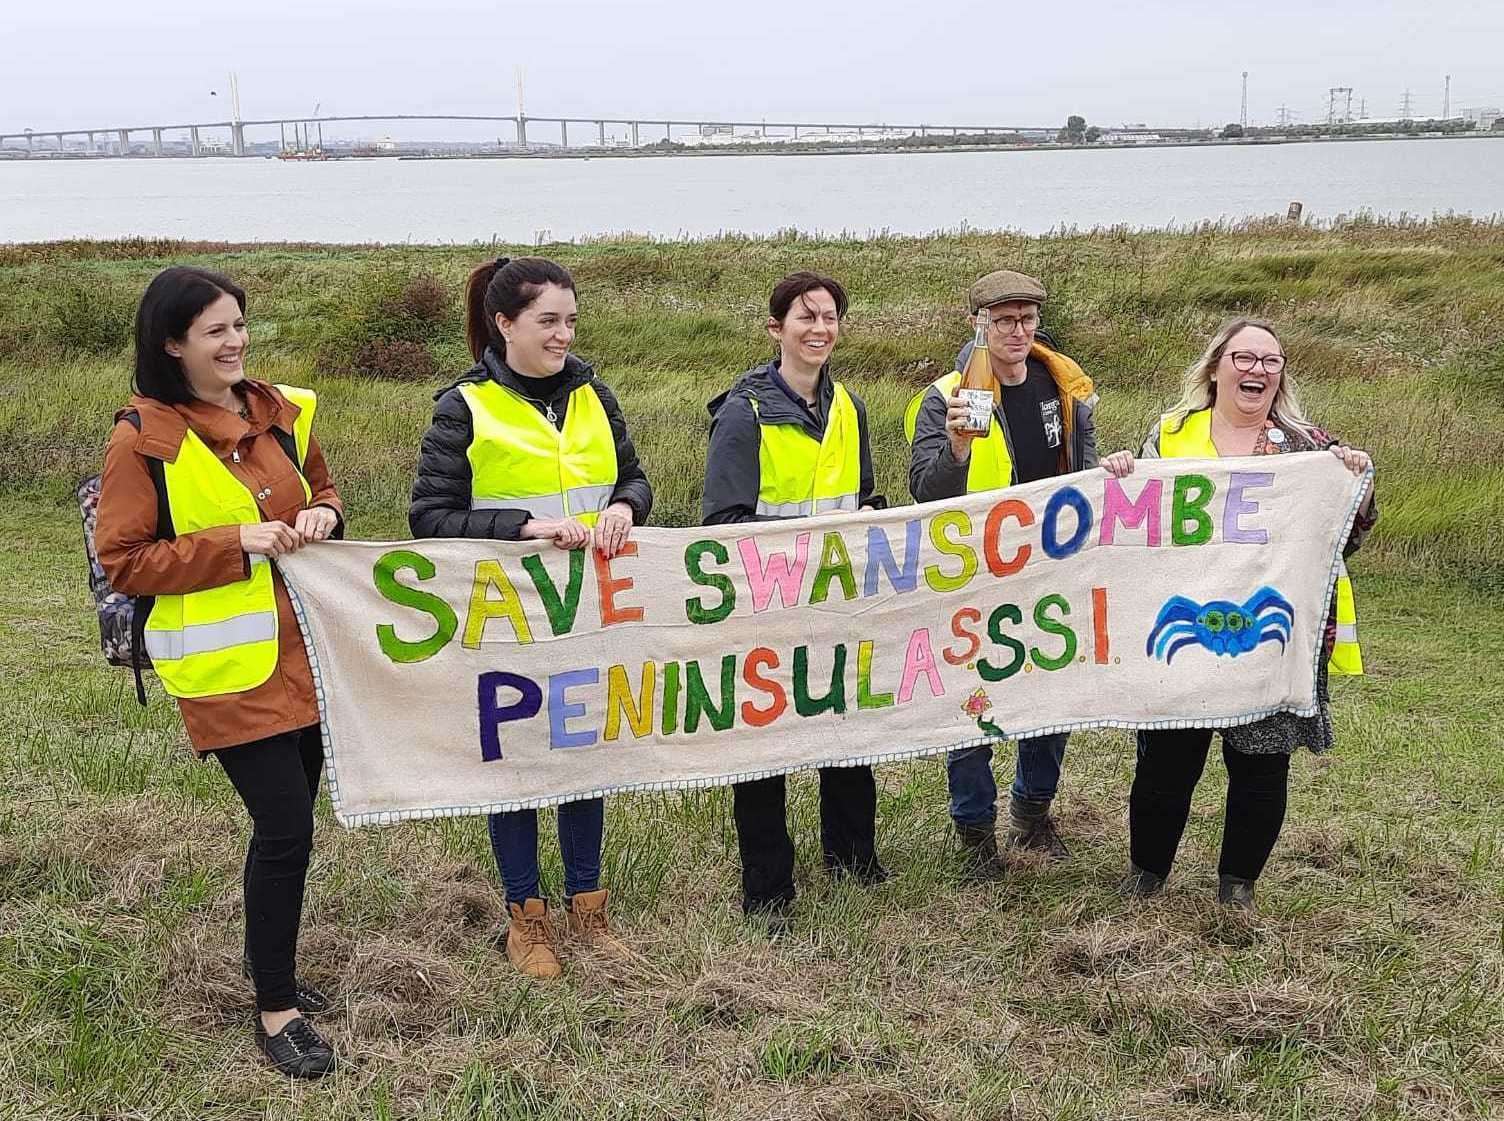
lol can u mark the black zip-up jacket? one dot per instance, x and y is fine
(440, 504)
(732, 471)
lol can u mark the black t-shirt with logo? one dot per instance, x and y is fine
(1035, 425)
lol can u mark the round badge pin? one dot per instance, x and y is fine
(1276, 436)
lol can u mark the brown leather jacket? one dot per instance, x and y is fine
(139, 564)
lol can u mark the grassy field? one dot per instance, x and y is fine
(1370, 984)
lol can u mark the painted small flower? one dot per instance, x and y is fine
(977, 704)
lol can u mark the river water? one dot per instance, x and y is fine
(531, 200)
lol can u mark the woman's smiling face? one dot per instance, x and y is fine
(1249, 393)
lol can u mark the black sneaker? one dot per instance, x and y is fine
(298, 1051)
(310, 1001)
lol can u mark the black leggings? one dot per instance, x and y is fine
(1170, 763)
(278, 779)
(848, 828)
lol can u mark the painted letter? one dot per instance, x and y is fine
(835, 562)
(1007, 508)
(610, 613)
(1192, 493)
(1004, 612)
(384, 575)
(560, 711)
(1100, 643)
(1049, 625)
(694, 609)
(561, 611)
(933, 576)
(488, 575)
(762, 658)
(1117, 508)
(697, 699)
(834, 699)
(865, 697)
(493, 715)
(1049, 530)
(959, 656)
(1237, 507)
(880, 559)
(777, 574)
(918, 659)
(619, 700)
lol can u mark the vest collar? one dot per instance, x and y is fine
(164, 426)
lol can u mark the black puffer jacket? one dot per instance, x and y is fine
(733, 472)
(441, 495)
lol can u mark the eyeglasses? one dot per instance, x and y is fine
(1245, 360)
(1007, 324)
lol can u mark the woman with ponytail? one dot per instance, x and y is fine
(530, 445)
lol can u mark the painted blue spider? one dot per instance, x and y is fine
(1223, 627)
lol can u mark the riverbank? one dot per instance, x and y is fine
(1370, 985)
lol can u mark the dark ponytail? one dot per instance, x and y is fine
(506, 286)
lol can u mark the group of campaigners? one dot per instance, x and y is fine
(209, 473)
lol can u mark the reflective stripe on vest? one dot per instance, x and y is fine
(520, 461)
(219, 640)
(1193, 440)
(799, 475)
(990, 466)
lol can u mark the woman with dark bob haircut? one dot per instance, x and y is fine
(788, 440)
(208, 477)
(530, 445)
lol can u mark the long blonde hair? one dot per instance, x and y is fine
(1199, 389)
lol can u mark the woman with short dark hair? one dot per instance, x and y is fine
(530, 445)
(208, 476)
(788, 440)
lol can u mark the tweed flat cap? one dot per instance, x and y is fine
(1004, 285)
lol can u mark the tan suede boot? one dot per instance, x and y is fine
(587, 922)
(530, 941)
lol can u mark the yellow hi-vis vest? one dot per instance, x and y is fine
(219, 640)
(520, 461)
(990, 467)
(799, 475)
(1193, 439)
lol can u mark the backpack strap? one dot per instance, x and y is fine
(165, 532)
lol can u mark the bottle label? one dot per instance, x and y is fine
(978, 409)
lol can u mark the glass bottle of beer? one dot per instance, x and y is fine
(978, 387)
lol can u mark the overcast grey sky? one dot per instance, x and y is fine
(1163, 62)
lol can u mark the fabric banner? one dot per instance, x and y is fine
(466, 677)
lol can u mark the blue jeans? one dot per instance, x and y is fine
(514, 840)
(973, 790)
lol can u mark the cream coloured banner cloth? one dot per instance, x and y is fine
(465, 677)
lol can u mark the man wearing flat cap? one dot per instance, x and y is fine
(1042, 426)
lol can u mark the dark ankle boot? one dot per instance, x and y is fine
(1141, 883)
(1234, 891)
(1031, 828)
(980, 861)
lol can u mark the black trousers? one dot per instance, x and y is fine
(1170, 763)
(848, 831)
(278, 779)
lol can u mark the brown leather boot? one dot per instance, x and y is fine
(587, 922)
(530, 941)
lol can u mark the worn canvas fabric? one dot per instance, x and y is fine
(465, 677)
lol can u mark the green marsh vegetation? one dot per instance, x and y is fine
(1371, 984)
